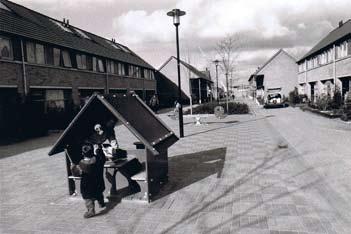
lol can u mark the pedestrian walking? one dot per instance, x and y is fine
(154, 103)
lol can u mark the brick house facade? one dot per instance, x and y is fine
(327, 66)
(53, 67)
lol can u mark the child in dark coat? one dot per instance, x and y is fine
(92, 183)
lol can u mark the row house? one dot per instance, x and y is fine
(196, 85)
(277, 74)
(53, 67)
(327, 66)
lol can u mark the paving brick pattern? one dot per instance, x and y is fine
(242, 174)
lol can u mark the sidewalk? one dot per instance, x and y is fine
(229, 176)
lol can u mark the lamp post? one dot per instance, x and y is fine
(226, 81)
(176, 13)
(216, 63)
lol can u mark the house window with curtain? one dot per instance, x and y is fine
(30, 49)
(39, 54)
(94, 64)
(81, 61)
(55, 100)
(66, 59)
(57, 57)
(110, 67)
(35, 53)
(100, 65)
(121, 70)
(5, 48)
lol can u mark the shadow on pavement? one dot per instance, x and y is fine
(28, 145)
(229, 124)
(276, 157)
(189, 168)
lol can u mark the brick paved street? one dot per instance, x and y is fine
(273, 171)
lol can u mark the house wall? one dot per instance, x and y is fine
(326, 72)
(41, 76)
(281, 72)
(170, 71)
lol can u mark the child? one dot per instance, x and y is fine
(92, 183)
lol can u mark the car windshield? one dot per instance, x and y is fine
(274, 95)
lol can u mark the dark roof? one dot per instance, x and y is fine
(30, 24)
(335, 35)
(194, 70)
(130, 110)
(270, 60)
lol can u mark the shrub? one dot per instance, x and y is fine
(324, 102)
(208, 108)
(337, 101)
(294, 97)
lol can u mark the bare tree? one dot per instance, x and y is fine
(228, 49)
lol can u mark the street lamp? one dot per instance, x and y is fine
(216, 62)
(176, 13)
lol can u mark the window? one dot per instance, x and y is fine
(2, 6)
(110, 66)
(301, 67)
(121, 70)
(49, 55)
(349, 47)
(330, 55)
(137, 72)
(66, 59)
(341, 50)
(94, 63)
(100, 66)
(81, 61)
(57, 56)
(5, 48)
(39, 54)
(61, 26)
(30, 47)
(89, 63)
(81, 34)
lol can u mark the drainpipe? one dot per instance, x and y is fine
(24, 71)
(107, 90)
(199, 91)
(334, 66)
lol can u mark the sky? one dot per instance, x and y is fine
(262, 27)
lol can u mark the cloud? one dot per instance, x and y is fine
(265, 25)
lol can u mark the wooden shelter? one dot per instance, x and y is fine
(154, 136)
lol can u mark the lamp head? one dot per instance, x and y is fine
(176, 13)
(216, 62)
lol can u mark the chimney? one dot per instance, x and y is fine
(67, 23)
(340, 23)
(64, 22)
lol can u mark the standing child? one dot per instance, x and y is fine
(92, 183)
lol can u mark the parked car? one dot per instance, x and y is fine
(274, 99)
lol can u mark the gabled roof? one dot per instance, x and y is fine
(335, 35)
(27, 23)
(129, 110)
(269, 61)
(188, 66)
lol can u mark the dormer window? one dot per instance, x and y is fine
(63, 27)
(82, 34)
(113, 45)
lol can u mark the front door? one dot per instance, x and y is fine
(312, 91)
